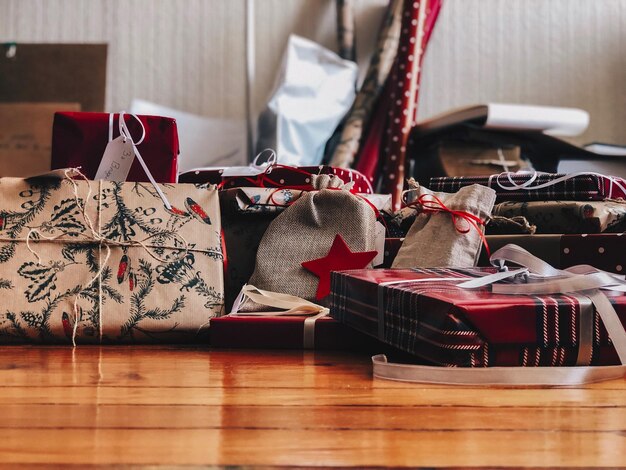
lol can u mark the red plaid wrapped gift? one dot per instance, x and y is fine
(278, 176)
(427, 313)
(533, 186)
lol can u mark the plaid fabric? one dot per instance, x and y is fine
(578, 188)
(446, 325)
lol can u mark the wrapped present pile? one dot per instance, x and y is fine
(568, 219)
(111, 247)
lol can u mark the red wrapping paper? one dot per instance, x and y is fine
(403, 94)
(281, 176)
(79, 140)
(367, 159)
(395, 114)
(282, 332)
(446, 325)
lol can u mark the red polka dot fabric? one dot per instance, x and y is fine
(403, 93)
(396, 109)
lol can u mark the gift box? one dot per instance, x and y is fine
(605, 251)
(80, 139)
(424, 312)
(284, 332)
(279, 176)
(107, 262)
(567, 216)
(539, 186)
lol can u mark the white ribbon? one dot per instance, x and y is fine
(126, 135)
(295, 306)
(536, 277)
(528, 185)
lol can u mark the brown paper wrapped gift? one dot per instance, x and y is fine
(107, 262)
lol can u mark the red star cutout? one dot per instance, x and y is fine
(338, 258)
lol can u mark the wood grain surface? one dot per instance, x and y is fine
(191, 406)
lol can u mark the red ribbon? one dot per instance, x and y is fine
(435, 205)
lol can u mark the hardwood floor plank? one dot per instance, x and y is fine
(312, 418)
(193, 406)
(313, 448)
(584, 398)
(153, 367)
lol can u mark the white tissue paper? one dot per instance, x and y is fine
(315, 88)
(204, 141)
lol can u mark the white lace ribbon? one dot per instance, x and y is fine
(536, 277)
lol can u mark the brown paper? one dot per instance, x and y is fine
(136, 271)
(25, 136)
(460, 158)
(73, 73)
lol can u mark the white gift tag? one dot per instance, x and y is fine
(380, 245)
(116, 160)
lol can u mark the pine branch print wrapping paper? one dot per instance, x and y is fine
(106, 262)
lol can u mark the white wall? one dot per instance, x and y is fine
(189, 54)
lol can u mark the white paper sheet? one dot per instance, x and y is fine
(204, 141)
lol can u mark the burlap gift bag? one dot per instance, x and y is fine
(306, 231)
(448, 231)
(107, 262)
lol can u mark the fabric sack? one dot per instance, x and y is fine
(306, 230)
(438, 239)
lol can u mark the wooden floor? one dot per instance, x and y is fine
(193, 407)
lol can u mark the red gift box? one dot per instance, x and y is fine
(279, 176)
(442, 323)
(283, 332)
(606, 251)
(79, 140)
